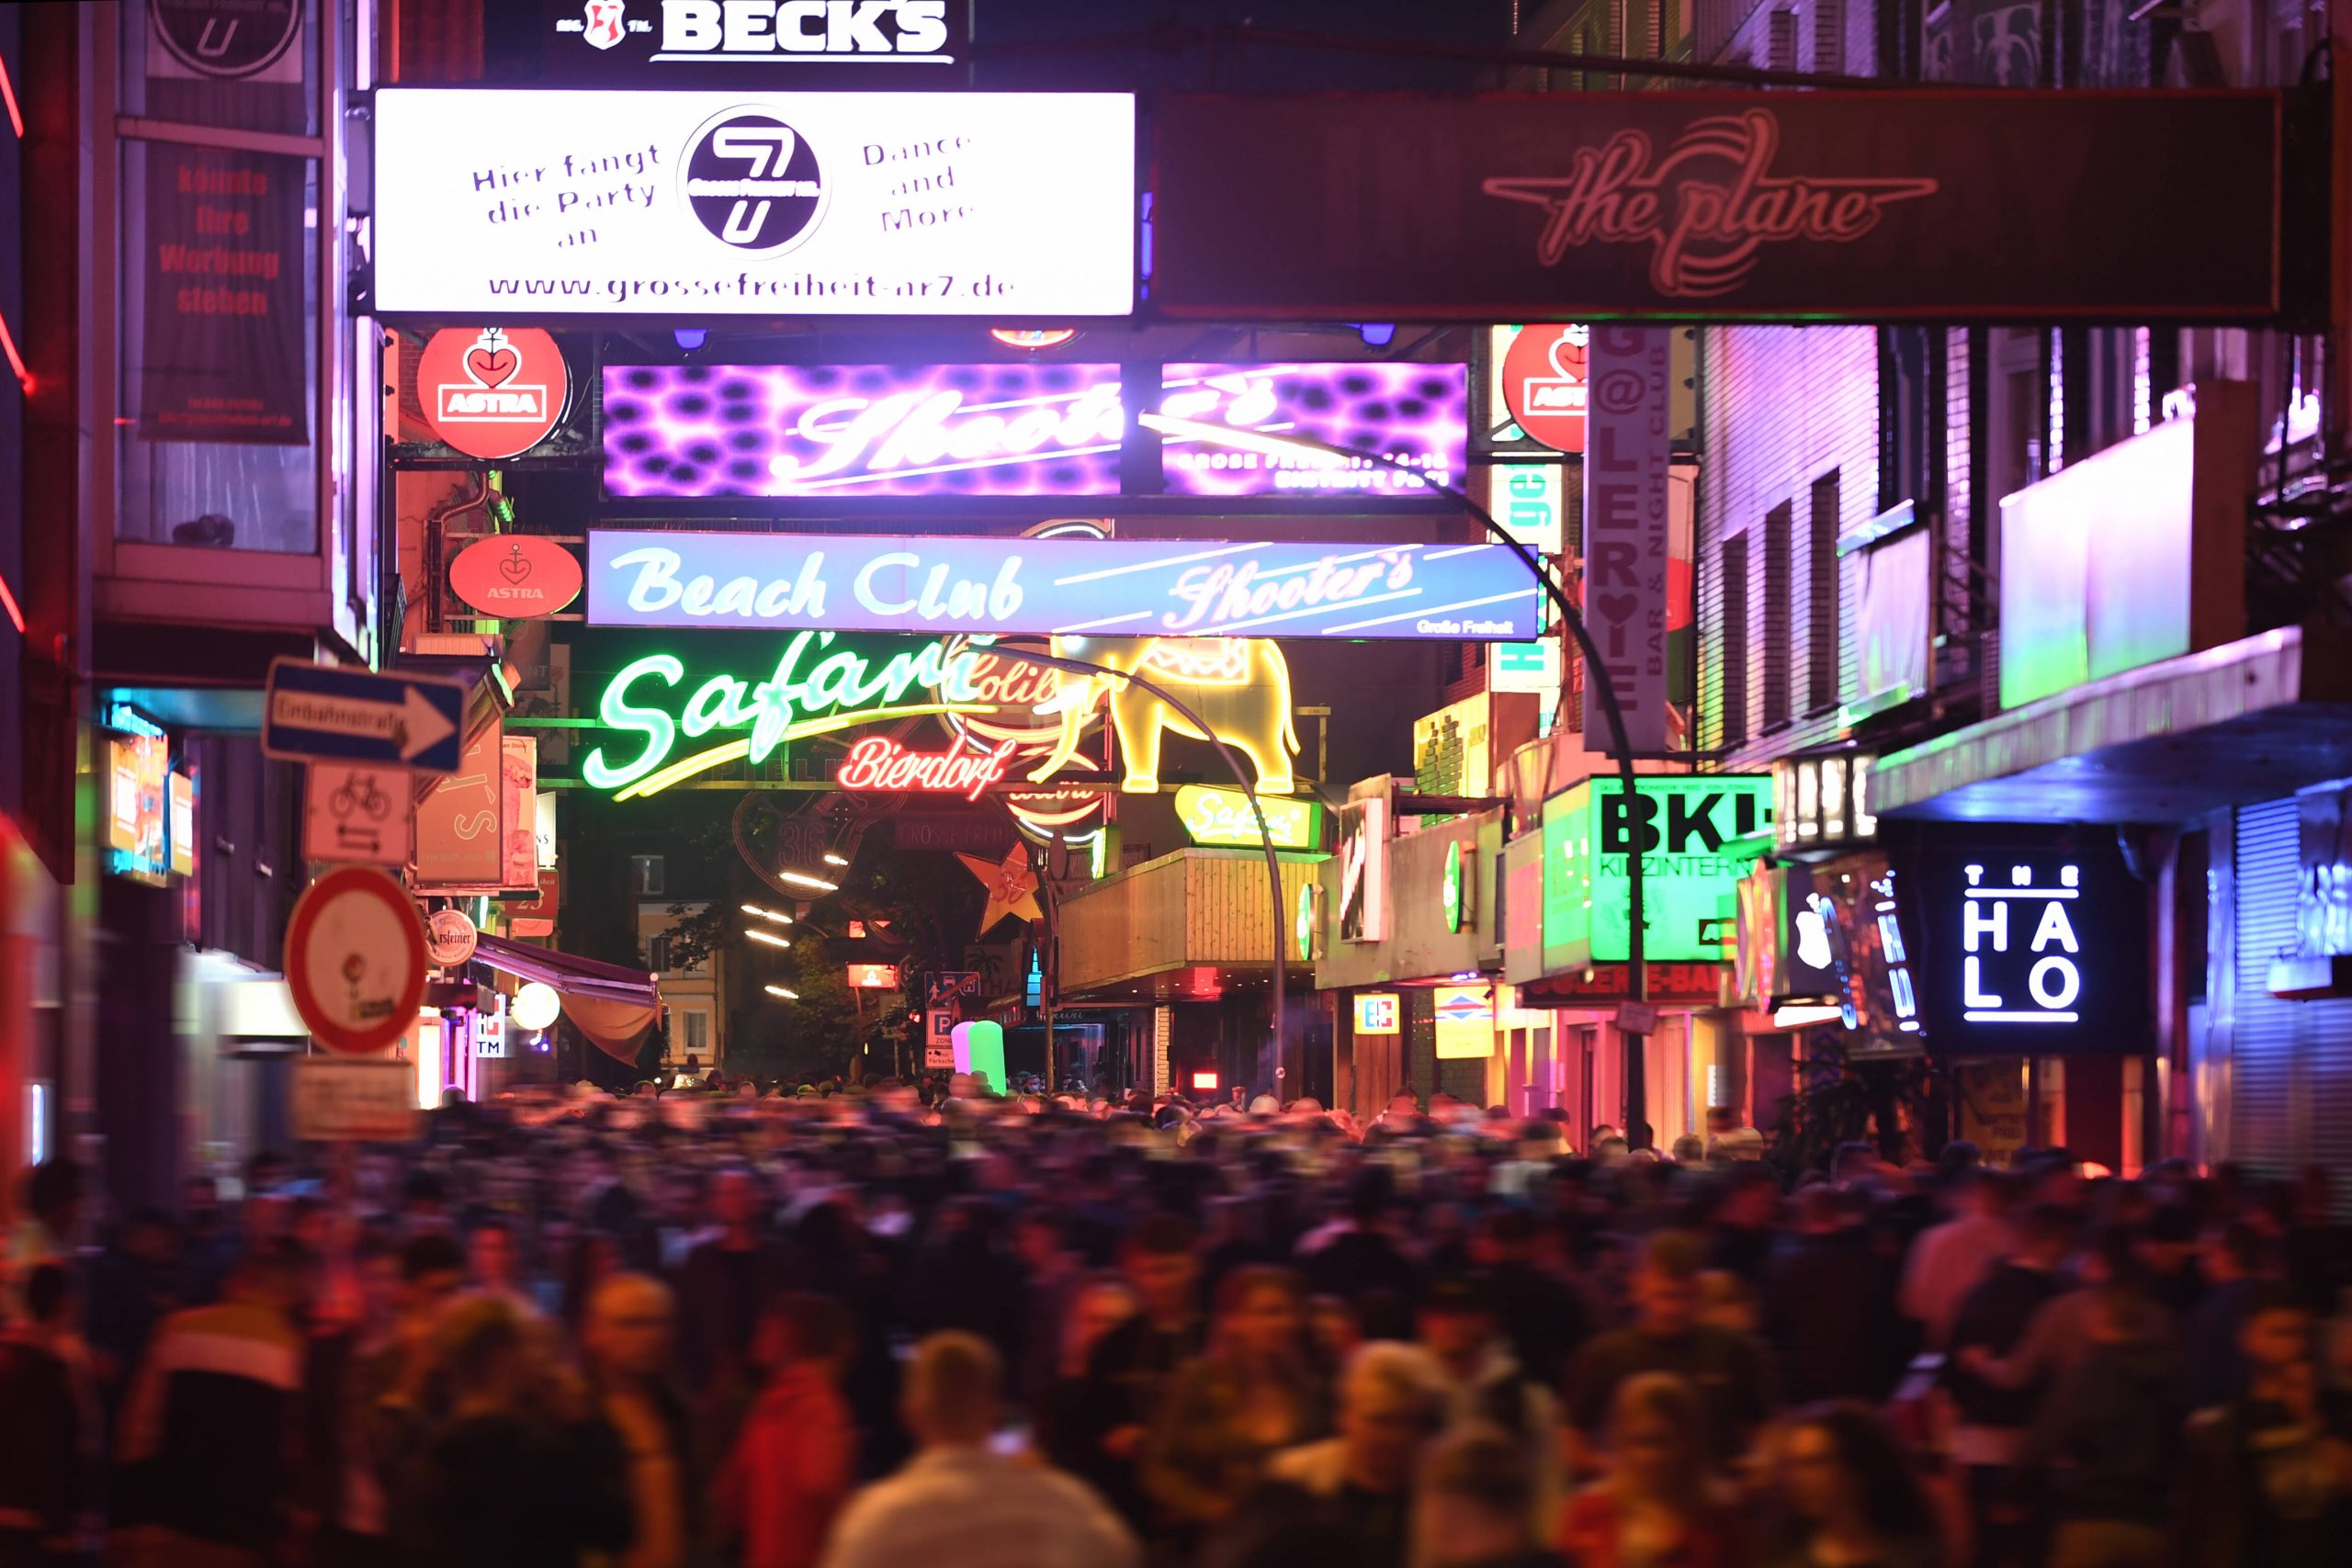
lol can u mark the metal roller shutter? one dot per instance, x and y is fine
(2291, 1101)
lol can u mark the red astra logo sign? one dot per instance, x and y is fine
(1543, 384)
(1704, 208)
(516, 576)
(492, 393)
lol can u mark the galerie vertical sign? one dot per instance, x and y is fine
(220, 358)
(1625, 530)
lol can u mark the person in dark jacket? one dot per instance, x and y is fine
(2111, 1428)
(1128, 1372)
(1992, 1420)
(45, 1437)
(728, 1283)
(2236, 1262)
(512, 1473)
(2272, 1480)
(1828, 1304)
(1361, 1262)
(210, 1432)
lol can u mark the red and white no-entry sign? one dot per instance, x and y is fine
(355, 959)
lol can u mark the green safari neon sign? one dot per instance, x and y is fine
(838, 690)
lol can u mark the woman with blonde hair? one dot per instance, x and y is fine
(1655, 1506)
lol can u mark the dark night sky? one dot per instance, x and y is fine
(1001, 23)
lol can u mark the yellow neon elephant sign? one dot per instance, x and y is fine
(1238, 686)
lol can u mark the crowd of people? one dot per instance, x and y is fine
(888, 1330)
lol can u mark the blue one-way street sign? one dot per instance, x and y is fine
(327, 713)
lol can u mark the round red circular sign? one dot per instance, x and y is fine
(492, 392)
(1543, 385)
(516, 576)
(355, 959)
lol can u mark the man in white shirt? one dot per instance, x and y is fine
(958, 1505)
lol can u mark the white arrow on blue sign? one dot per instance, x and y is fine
(331, 714)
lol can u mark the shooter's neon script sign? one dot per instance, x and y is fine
(1057, 586)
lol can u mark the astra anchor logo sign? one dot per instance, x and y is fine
(1706, 207)
(753, 181)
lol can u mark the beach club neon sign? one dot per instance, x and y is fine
(1057, 586)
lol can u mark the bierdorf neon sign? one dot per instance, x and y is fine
(878, 762)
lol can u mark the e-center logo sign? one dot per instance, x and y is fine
(520, 204)
(753, 181)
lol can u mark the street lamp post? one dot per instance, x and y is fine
(1598, 683)
(1268, 1070)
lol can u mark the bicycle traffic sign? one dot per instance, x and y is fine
(329, 714)
(365, 814)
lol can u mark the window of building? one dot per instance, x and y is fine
(1780, 41)
(1736, 651)
(657, 953)
(693, 1031)
(647, 874)
(1829, 38)
(1779, 523)
(1821, 575)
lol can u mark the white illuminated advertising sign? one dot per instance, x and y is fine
(2013, 931)
(495, 204)
(2034, 944)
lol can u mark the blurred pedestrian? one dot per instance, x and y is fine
(795, 1458)
(958, 1504)
(1388, 1407)
(210, 1434)
(1730, 1370)
(1849, 1498)
(632, 1321)
(1254, 1394)
(1474, 1503)
(1659, 1504)
(48, 1427)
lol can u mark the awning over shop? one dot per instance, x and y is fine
(2251, 720)
(612, 1004)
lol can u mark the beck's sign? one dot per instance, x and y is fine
(497, 203)
(1841, 204)
(1055, 587)
(767, 43)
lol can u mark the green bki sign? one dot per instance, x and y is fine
(1697, 836)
